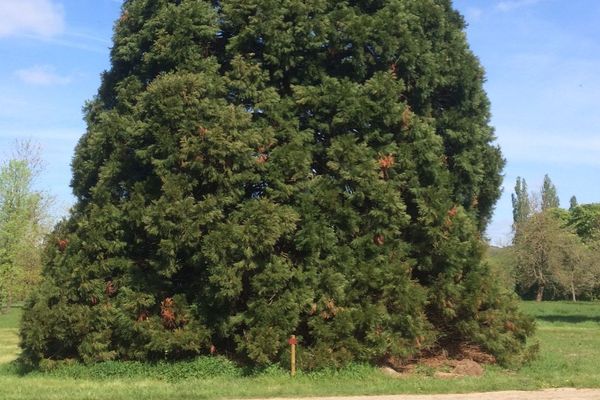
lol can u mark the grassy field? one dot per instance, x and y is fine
(569, 335)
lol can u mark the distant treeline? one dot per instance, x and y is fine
(554, 251)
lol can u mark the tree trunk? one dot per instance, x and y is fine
(573, 291)
(540, 293)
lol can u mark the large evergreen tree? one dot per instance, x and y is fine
(254, 169)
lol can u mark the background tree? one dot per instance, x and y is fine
(554, 251)
(572, 203)
(549, 197)
(578, 269)
(257, 169)
(522, 207)
(538, 249)
(554, 248)
(23, 223)
(502, 262)
(585, 221)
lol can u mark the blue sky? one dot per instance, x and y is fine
(52, 53)
(542, 59)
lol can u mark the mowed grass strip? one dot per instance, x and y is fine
(569, 336)
(9, 345)
(9, 339)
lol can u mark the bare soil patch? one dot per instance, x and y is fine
(450, 362)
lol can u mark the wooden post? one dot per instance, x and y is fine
(292, 341)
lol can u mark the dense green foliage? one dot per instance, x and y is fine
(23, 224)
(585, 221)
(255, 169)
(550, 257)
(573, 203)
(555, 250)
(568, 334)
(502, 263)
(521, 203)
(549, 196)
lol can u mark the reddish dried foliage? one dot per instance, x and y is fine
(386, 162)
(143, 316)
(202, 131)
(110, 289)
(394, 70)
(262, 158)
(452, 212)
(62, 244)
(167, 313)
(331, 310)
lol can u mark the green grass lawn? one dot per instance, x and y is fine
(569, 335)
(9, 340)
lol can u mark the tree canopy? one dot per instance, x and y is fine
(24, 221)
(256, 169)
(521, 203)
(551, 257)
(554, 248)
(549, 196)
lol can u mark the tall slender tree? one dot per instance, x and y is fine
(549, 195)
(573, 203)
(522, 207)
(257, 169)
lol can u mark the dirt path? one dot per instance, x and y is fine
(550, 394)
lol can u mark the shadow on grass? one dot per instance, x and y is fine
(568, 319)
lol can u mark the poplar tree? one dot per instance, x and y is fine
(549, 195)
(522, 208)
(256, 169)
(573, 203)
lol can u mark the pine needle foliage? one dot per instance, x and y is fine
(254, 169)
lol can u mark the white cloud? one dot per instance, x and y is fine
(509, 5)
(43, 18)
(41, 76)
